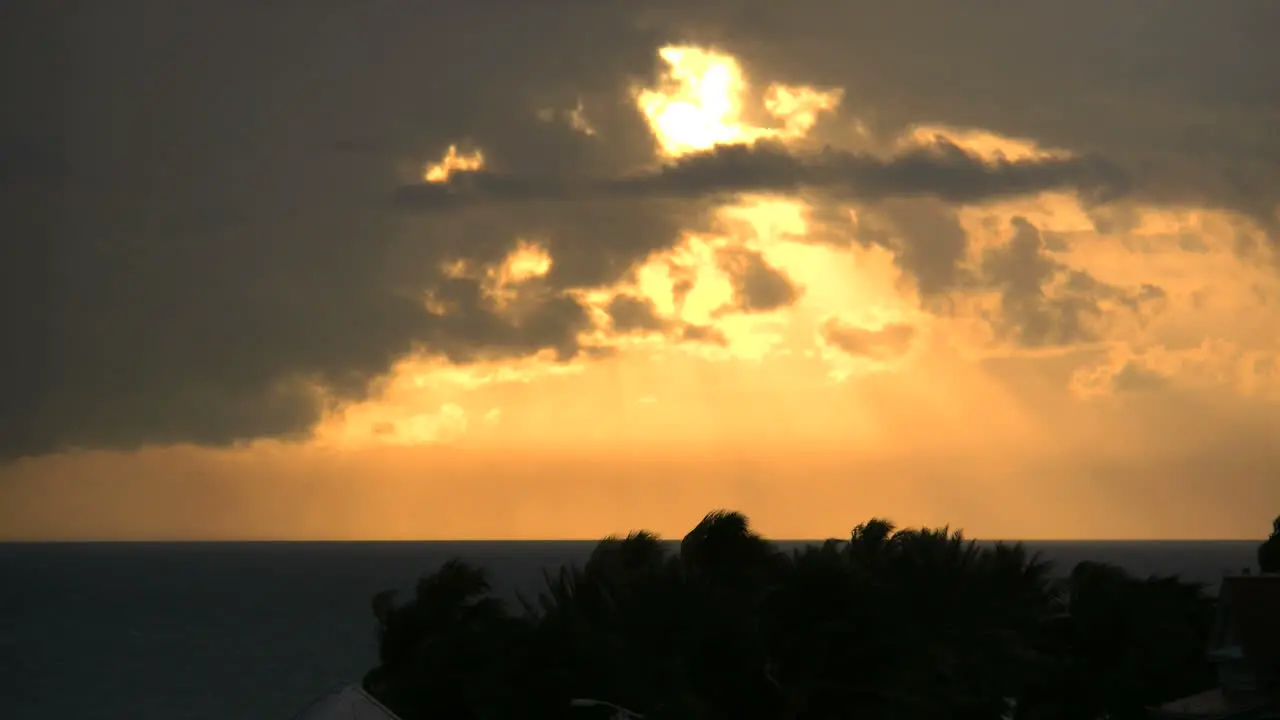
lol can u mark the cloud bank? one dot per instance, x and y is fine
(941, 170)
(219, 229)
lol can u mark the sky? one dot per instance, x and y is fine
(497, 269)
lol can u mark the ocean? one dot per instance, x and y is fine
(255, 631)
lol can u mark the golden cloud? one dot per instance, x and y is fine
(452, 162)
(861, 290)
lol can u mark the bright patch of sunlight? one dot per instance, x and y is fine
(798, 107)
(428, 401)
(453, 162)
(366, 424)
(987, 145)
(504, 283)
(511, 280)
(527, 260)
(701, 101)
(704, 99)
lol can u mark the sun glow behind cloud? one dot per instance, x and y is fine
(772, 404)
(701, 102)
(983, 143)
(452, 162)
(856, 368)
(703, 99)
(854, 322)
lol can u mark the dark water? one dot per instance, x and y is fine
(241, 631)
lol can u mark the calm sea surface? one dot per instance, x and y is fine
(242, 631)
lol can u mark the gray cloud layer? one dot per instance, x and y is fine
(194, 199)
(942, 171)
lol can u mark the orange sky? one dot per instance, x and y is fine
(850, 399)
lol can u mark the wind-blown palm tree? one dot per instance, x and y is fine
(443, 652)
(615, 628)
(965, 615)
(826, 637)
(729, 570)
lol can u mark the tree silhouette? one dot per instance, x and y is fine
(444, 653)
(1269, 551)
(890, 623)
(1122, 644)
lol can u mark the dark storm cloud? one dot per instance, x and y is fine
(1178, 93)
(30, 159)
(704, 334)
(1032, 316)
(468, 329)
(941, 170)
(925, 237)
(1134, 378)
(1020, 269)
(890, 341)
(195, 219)
(630, 314)
(757, 285)
(216, 238)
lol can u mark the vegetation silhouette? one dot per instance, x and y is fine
(1269, 551)
(890, 623)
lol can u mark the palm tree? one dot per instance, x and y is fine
(443, 652)
(826, 637)
(728, 571)
(913, 623)
(871, 542)
(1008, 596)
(967, 610)
(1269, 551)
(1124, 644)
(724, 551)
(620, 627)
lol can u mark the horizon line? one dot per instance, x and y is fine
(479, 541)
